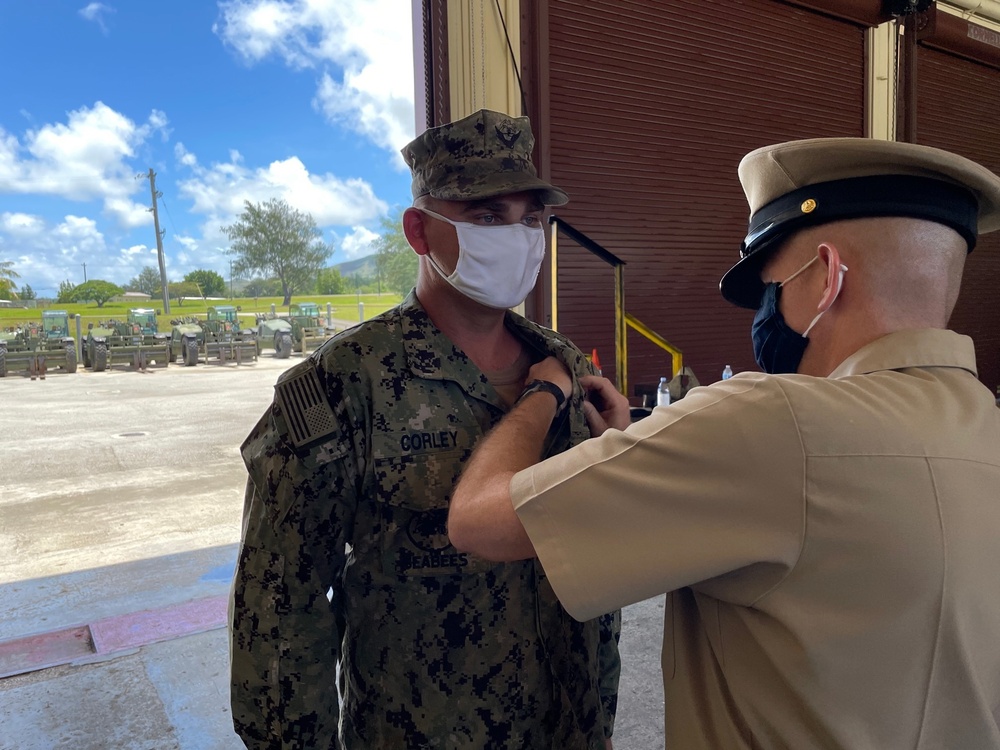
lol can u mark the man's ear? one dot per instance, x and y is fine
(414, 231)
(829, 256)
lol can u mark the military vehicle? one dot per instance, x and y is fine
(36, 347)
(186, 340)
(274, 332)
(218, 338)
(136, 341)
(225, 339)
(308, 328)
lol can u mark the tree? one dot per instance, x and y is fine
(274, 239)
(27, 292)
(7, 275)
(329, 281)
(396, 263)
(95, 290)
(147, 282)
(210, 282)
(262, 288)
(66, 289)
(180, 289)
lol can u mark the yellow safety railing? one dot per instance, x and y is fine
(623, 319)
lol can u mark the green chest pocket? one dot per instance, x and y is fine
(415, 472)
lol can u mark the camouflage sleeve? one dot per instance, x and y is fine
(610, 665)
(286, 629)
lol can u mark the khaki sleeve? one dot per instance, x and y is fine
(706, 492)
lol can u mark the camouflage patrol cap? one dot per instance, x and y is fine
(480, 156)
(799, 184)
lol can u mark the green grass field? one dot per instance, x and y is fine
(344, 307)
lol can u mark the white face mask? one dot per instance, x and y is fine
(497, 265)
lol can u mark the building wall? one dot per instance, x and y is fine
(648, 116)
(642, 111)
(958, 109)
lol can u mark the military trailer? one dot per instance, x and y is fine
(308, 328)
(135, 341)
(274, 332)
(36, 347)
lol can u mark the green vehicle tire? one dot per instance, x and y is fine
(190, 353)
(283, 346)
(70, 365)
(3, 363)
(100, 363)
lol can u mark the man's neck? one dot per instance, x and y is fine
(477, 330)
(847, 333)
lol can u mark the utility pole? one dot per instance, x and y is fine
(159, 242)
(230, 279)
(84, 272)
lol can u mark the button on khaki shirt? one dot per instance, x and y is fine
(832, 546)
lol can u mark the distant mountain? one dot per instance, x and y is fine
(359, 266)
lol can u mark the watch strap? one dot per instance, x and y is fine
(544, 385)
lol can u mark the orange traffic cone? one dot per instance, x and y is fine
(596, 361)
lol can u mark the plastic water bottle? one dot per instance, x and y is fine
(663, 393)
(727, 372)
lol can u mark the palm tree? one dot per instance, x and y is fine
(7, 276)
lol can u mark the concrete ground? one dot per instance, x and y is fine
(119, 519)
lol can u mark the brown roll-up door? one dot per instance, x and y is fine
(958, 109)
(651, 106)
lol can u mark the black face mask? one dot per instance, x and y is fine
(776, 347)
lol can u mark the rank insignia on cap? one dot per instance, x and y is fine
(305, 407)
(507, 133)
(808, 206)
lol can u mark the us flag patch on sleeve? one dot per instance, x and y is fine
(305, 407)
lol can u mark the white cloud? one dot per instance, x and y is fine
(95, 12)
(218, 192)
(86, 158)
(362, 51)
(357, 244)
(21, 225)
(46, 254)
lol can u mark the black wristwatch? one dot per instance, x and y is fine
(544, 385)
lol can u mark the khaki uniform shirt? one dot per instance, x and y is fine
(832, 546)
(436, 648)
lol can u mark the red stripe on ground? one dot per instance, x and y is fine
(44, 650)
(111, 635)
(154, 625)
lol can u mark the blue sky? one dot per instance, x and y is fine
(305, 100)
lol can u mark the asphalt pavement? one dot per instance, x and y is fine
(119, 519)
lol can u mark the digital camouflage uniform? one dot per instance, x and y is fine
(437, 648)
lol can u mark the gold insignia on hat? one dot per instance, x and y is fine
(808, 206)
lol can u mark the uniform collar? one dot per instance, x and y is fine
(929, 347)
(430, 354)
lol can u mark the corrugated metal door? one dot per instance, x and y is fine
(958, 109)
(651, 106)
